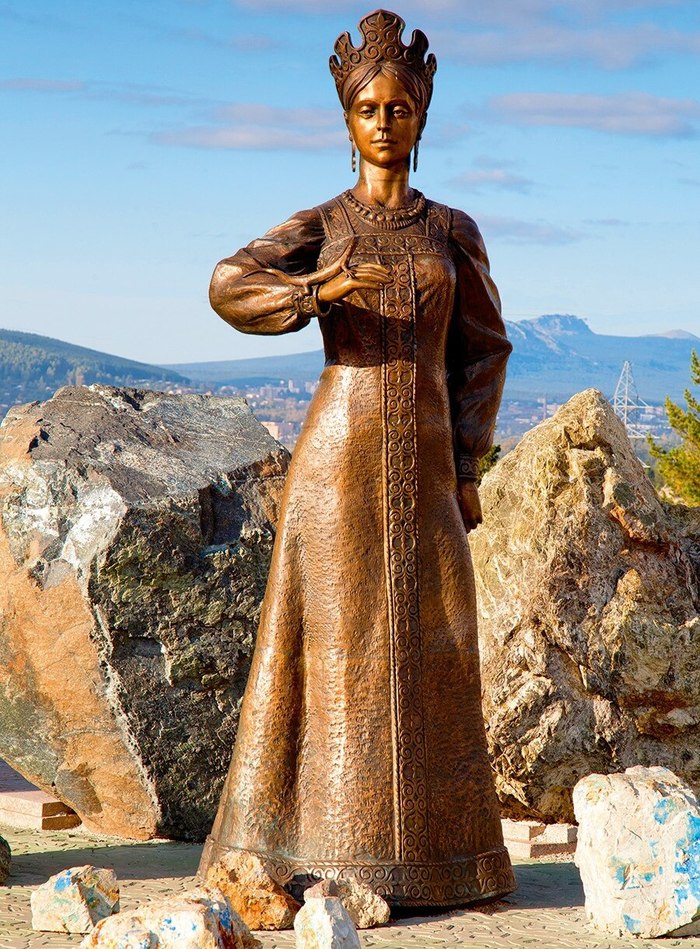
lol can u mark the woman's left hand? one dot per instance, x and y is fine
(469, 504)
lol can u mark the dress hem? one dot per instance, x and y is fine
(458, 882)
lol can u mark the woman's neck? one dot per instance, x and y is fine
(385, 187)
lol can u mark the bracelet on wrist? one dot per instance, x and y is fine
(467, 468)
(308, 304)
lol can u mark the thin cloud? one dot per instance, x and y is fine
(631, 113)
(148, 96)
(241, 42)
(444, 133)
(497, 178)
(43, 85)
(239, 125)
(131, 93)
(250, 138)
(514, 231)
(607, 222)
(44, 20)
(559, 31)
(610, 47)
(492, 174)
(249, 126)
(505, 12)
(258, 114)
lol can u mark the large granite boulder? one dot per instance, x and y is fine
(589, 589)
(135, 535)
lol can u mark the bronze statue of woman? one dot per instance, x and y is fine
(361, 748)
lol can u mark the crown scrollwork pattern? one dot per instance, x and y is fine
(381, 42)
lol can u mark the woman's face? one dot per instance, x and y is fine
(384, 122)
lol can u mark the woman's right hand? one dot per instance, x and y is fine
(360, 277)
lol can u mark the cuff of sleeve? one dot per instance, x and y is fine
(308, 304)
(467, 468)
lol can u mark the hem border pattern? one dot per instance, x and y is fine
(452, 883)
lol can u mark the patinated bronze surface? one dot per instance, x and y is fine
(361, 746)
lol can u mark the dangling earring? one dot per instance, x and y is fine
(353, 156)
(415, 155)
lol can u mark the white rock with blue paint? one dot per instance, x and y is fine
(122, 932)
(638, 852)
(74, 900)
(200, 919)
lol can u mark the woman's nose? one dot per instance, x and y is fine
(382, 119)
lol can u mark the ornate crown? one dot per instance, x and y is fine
(381, 41)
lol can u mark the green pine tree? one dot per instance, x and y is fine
(679, 468)
(488, 461)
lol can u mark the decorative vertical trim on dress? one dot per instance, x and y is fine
(398, 308)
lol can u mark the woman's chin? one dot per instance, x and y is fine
(386, 159)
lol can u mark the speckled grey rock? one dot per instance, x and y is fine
(5, 859)
(135, 535)
(589, 591)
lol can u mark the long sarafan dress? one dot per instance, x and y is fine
(361, 748)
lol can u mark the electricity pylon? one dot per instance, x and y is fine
(627, 403)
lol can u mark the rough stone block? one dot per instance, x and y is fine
(530, 839)
(639, 852)
(135, 535)
(324, 923)
(588, 588)
(522, 850)
(35, 810)
(365, 907)
(559, 834)
(74, 900)
(254, 895)
(521, 830)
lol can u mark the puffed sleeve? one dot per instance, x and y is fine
(249, 290)
(478, 349)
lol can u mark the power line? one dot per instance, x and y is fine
(626, 402)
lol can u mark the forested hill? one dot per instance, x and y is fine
(554, 355)
(33, 367)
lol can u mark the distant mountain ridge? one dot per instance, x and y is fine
(554, 355)
(33, 367)
(676, 334)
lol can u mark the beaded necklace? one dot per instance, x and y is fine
(387, 219)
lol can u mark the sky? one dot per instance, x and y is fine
(142, 142)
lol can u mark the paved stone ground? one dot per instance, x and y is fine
(547, 910)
